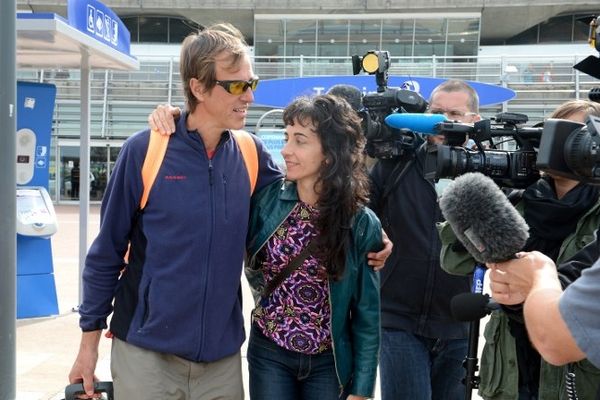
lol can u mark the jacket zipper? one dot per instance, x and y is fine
(206, 278)
(333, 341)
(225, 197)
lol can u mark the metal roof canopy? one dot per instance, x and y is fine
(48, 41)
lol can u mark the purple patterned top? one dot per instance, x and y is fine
(297, 316)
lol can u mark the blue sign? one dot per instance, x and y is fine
(35, 109)
(280, 92)
(274, 140)
(100, 22)
(36, 291)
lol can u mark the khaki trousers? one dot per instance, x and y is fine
(144, 374)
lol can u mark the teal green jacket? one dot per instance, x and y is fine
(354, 298)
(499, 373)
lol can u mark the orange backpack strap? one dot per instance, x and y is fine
(248, 148)
(157, 147)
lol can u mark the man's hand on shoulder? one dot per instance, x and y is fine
(377, 260)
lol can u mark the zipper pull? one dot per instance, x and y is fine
(210, 172)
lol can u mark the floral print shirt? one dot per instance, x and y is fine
(296, 316)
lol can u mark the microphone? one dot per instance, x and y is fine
(483, 219)
(471, 306)
(422, 123)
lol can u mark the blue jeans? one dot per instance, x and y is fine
(419, 368)
(277, 373)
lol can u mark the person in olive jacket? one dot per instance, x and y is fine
(562, 215)
(316, 335)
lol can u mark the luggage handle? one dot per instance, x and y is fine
(71, 391)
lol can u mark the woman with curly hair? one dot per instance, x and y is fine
(315, 329)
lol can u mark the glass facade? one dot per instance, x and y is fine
(159, 29)
(301, 38)
(336, 36)
(560, 29)
(332, 38)
(102, 160)
(270, 38)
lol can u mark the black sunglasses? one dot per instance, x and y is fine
(238, 87)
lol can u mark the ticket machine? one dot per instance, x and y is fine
(35, 212)
(36, 220)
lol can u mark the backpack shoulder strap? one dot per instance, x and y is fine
(249, 153)
(157, 147)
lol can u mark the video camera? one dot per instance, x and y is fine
(508, 168)
(383, 141)
(571, 149)
(564, 148)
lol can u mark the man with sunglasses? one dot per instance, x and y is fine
(422, 347)
(177, 321)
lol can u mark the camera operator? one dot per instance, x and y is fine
(422, 348)
(562, 215)
(349, 93)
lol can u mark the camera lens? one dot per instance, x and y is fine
(582, 152)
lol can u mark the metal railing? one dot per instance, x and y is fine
(121, 101)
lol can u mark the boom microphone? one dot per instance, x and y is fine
(471, 306)
(483, 219)
(421, 123)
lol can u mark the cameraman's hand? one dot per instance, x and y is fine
(377, 260)
(163, 118)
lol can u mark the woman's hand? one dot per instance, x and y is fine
(163, 118)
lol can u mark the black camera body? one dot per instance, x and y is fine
(516, 169)
(562, 148)
(571, 150)
(384, 142)
(508, 168)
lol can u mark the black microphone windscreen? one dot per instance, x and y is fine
(471, 306)
(483, 219)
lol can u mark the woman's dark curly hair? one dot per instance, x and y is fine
(343, 184)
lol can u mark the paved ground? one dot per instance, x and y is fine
(46, 347)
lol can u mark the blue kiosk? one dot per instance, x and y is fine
(92, 37)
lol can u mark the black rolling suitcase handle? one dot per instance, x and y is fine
(75, 389)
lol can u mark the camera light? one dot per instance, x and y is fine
(370, 63)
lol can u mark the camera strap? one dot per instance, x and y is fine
(395, 177)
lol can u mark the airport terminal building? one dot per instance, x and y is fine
(528, 46)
